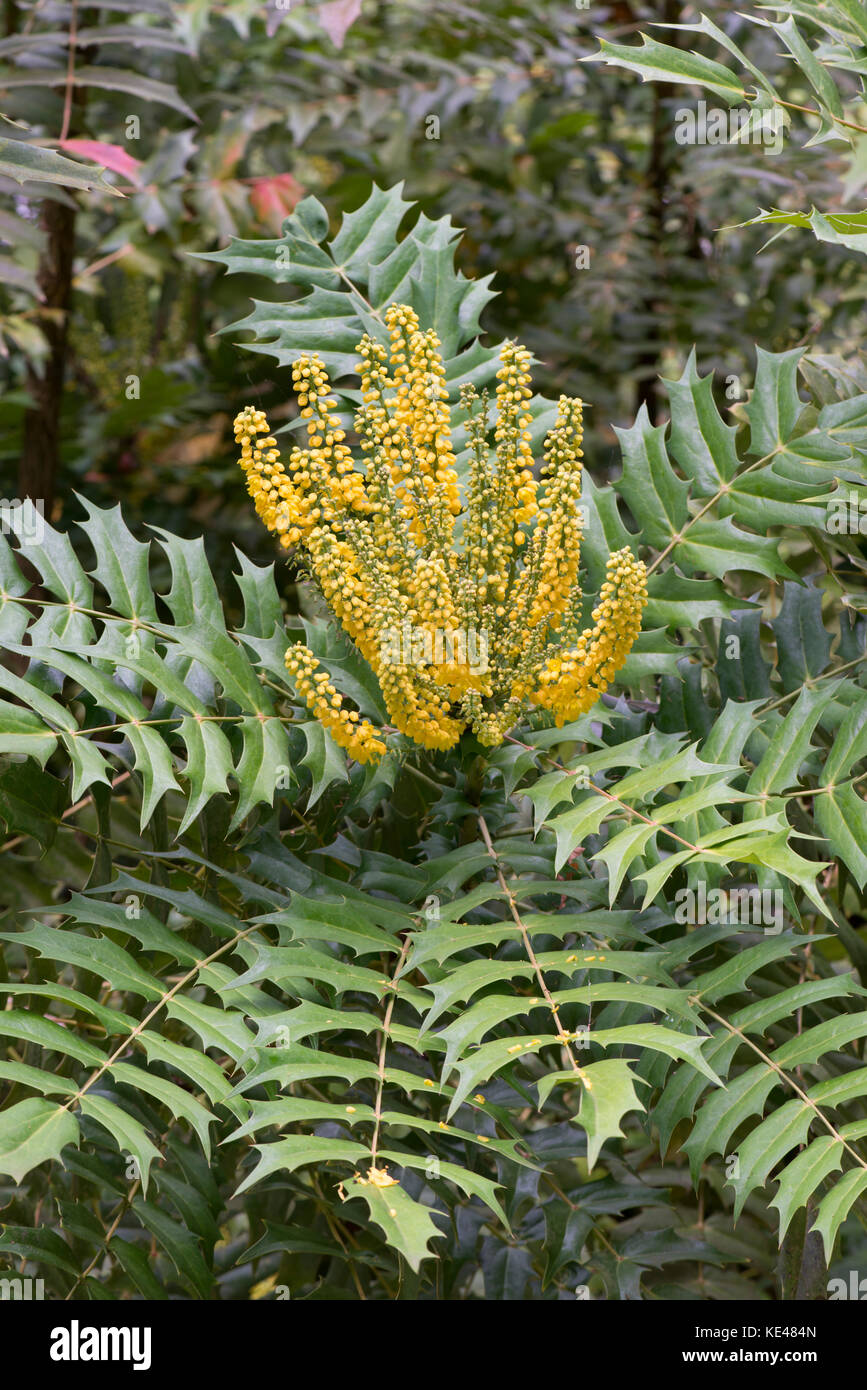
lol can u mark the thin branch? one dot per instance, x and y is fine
(383, 1045)
(70, 72)
(531, 955)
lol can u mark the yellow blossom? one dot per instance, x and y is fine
(459, 636)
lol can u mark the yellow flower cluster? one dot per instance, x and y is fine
(464, 622)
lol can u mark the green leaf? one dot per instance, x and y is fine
(28, 163)
(39, 1245)
(775, 406)
(31, 802)
(135, 1263)
(121, 562)
(21, 731)
(179, 1244)
(265, 752)
(200, 1069)
(34, 1028)
(154, 762)
(181, 1105)
(659, 62)
(407, 1225)
(769, 1142)
(100, 957)
(655, 494)
(653, 1035)
(130, 1135)
(701, 443)
(836, 1205)
(717, 547)
(790, 744)
(209, 763)
(31, 1132)
(221, 1028)
(803, 643)
(349, 285)
(104, 78)
(800, 1178)
(46, 1082)
(298, 1150)
(472, 1183)
(676, 601)
(326, 761)
(840, 811)
(573, 826)
(818, 76)
(847, 229)
(607, 1094)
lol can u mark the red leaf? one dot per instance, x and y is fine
(337, 16)
(274, 198)
(112, 157)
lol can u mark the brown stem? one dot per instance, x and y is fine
(656, 181)
(40, 458)
(383, 1046)
(531, 954)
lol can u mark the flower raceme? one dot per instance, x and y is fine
(401, 551)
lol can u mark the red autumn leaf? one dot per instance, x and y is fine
(112, 157)
(337, 16)
(274, 198)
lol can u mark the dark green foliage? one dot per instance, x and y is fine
(240, 972)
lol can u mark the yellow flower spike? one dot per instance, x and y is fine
(328, 462)
(281, 505)
(457, 636)
(571, 683)
(515, 487)
(559, 521)
(322, 700)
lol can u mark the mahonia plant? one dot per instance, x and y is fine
(466, 604)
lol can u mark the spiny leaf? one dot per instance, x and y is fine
(23, 163)
(406, 1224)
(296, 1151)
(130, 1135)
(836, 1205)
(32, 1132)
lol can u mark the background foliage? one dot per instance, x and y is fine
(237, 968)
